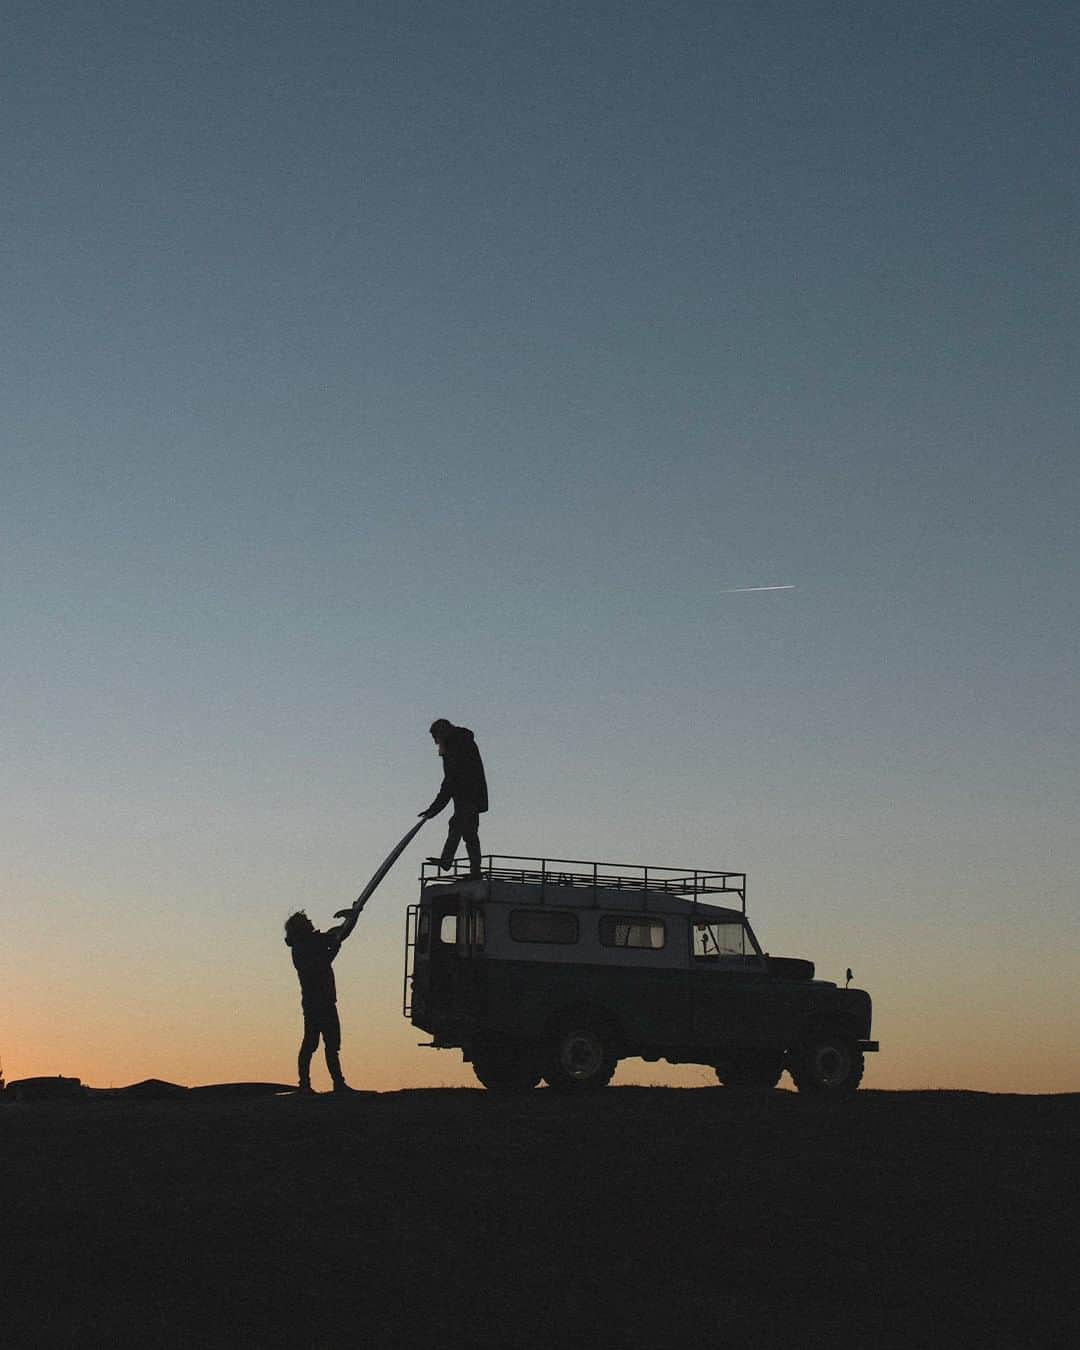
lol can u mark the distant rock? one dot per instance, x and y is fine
(152, 1090)
(148, 1090)
(243, 1089)
(50, 1089)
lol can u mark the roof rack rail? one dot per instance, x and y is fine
(689, 882)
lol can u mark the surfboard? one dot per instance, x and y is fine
(390, 859)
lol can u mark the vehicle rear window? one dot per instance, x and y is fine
(543, 925)
(475, 928)
(472, 927)
(617, 930)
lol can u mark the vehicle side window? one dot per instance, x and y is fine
(721, 939)
(620, 931)
(448, 930)
(543, 925)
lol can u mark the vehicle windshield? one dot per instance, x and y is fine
(722, 937)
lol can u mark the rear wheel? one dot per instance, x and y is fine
(828, 1063)
(751, 1070)
(507, 1068)
(581, 1057)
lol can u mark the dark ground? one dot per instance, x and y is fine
(642, 1217)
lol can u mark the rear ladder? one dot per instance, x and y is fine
(412, 915)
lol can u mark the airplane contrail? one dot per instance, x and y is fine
(738, 590)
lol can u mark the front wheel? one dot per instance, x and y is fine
(581, 1057)
(827, 1064)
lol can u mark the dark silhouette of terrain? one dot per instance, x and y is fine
(638, 1217)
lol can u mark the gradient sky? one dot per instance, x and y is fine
(371, 362)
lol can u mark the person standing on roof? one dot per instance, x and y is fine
(313, 954)
(463, 783)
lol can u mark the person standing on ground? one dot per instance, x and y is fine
(463, 783)
(313, 954)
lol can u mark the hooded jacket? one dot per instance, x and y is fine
(463, 773)
(312, 954)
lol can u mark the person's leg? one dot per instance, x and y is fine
(331, 1034)
(307, 1049)
(469, 824)
(453, 838)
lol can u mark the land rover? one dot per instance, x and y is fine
(556, 970)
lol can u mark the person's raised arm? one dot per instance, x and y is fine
(342, 931)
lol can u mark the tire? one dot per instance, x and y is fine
(827, 1064)
(581, 1057)
(506, 1069)
(760, 1070)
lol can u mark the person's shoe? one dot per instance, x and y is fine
(305, 1090)
(342, 1086)
(440, 864)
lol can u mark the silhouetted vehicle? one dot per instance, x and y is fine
(553, 969)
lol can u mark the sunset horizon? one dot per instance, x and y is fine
(681, 397)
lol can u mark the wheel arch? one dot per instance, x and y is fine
(821, 1021)
(587, 1014)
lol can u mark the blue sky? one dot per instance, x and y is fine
(367, 363)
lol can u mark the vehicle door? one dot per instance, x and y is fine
(729, 985)
(470, 967)
(641, 975)
(436, 959)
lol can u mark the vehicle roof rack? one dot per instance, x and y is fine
(691, 883)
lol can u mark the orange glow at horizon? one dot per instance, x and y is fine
(215, 1038)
